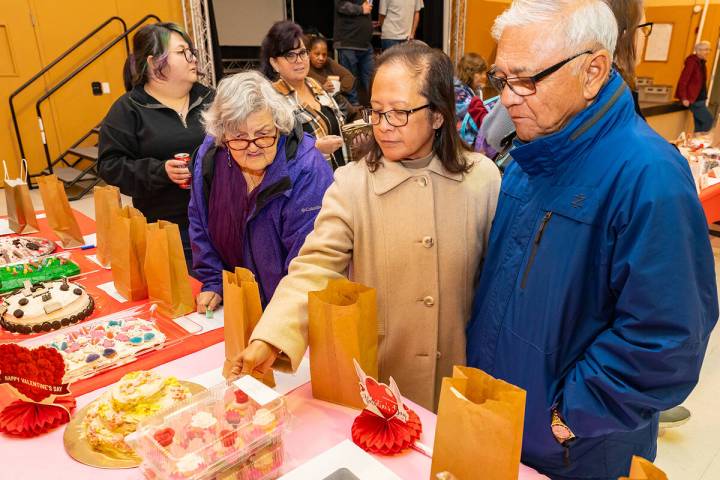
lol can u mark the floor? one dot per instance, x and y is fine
(690, 452)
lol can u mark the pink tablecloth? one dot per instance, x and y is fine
(317, 426)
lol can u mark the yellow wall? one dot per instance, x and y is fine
(480, 17)
(35, 32)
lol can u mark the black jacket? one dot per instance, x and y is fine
(137, 136)
(352, 28)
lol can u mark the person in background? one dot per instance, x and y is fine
(692, 87)
(257, 187)
(158, 118)
(469, 107)
(285, 60)
(322, 66)
(398, 21)
(410, 220)
(352, 39)
(598, 292)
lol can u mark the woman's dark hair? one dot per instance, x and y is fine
(628, 14)
(281, 38)
(433, 71)
(150, 40)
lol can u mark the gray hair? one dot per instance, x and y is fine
(240, 95)
(703, 43)
(582, 23)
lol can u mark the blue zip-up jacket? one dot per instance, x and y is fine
(284, 213)
(598, 290)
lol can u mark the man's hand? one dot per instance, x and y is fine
(207, 301)
(177, 171)
(256, 359)
(367, 8)
(328, 144)
(686, 103)
(328, 86)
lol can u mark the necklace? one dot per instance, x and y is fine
(253, 180)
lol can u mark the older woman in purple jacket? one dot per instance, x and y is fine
(258, 182)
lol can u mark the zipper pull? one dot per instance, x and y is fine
(546, 219)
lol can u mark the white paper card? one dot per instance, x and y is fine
(109, 288)
(40, 215)
(287, 382)
(255, 389)
(207, 324)
(5, 226)
(94, 259)
(343, 455)
(209, 379)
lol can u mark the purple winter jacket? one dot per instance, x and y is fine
(285, 210)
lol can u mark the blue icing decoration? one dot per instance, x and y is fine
(148, 336)
(63, 345)
(109, 352)
(136, 340)
(115, 323)
(92, 357)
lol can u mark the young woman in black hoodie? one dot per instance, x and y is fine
(156, 119)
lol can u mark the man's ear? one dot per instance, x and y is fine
(597, 71)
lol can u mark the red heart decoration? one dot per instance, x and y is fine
(164, 437)
(42, 365)
(383, 397)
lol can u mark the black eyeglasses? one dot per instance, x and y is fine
(646, 28)
(190, 54)
(293, 56)
(396, 118)
(525, 86)
(240, 144)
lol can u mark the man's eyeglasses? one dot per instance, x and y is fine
(293, 56)
(240, 144)
(190, 54)
(525, 86)
(396, 118)
(646, 28)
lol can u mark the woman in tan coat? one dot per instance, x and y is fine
(411, 220)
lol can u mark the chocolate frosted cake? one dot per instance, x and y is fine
(45, 306)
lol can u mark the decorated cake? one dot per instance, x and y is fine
(40, 270)
(118, 411)
(45, 306)
(21, 249)
(220, 430)
(89, 348)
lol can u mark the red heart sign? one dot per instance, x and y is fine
(35, 373)
(382, 396)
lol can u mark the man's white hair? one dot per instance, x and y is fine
(704, 43)
(582, 24)
(240, 95)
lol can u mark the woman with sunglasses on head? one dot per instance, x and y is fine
(285, 60)
(158, 118)
(258, 182)
(411, 220)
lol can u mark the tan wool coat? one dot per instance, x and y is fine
(415, 235)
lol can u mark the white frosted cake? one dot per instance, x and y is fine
(46, 306)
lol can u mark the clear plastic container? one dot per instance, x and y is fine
(211, 435)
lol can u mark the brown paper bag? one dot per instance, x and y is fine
(242, 310)
(127, 253)
(20, 210)
(488, 415)
(107, 205)
(59, 214)
(641, 469)
(166, 272)
(342, 326)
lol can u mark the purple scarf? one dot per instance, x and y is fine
(229, 209)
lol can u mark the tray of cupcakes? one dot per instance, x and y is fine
(232, 430)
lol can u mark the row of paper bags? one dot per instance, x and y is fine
(146, 259)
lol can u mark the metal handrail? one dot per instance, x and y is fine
(72, 74)
(62, 56)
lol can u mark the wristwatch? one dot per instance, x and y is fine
(560, 430)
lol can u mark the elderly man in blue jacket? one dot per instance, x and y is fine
(598, 291)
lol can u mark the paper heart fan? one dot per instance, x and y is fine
(386, 425)
(28, 419)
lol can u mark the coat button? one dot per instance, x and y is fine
(422, 181)
(428, 242)
(438, 354)
(429, 301)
